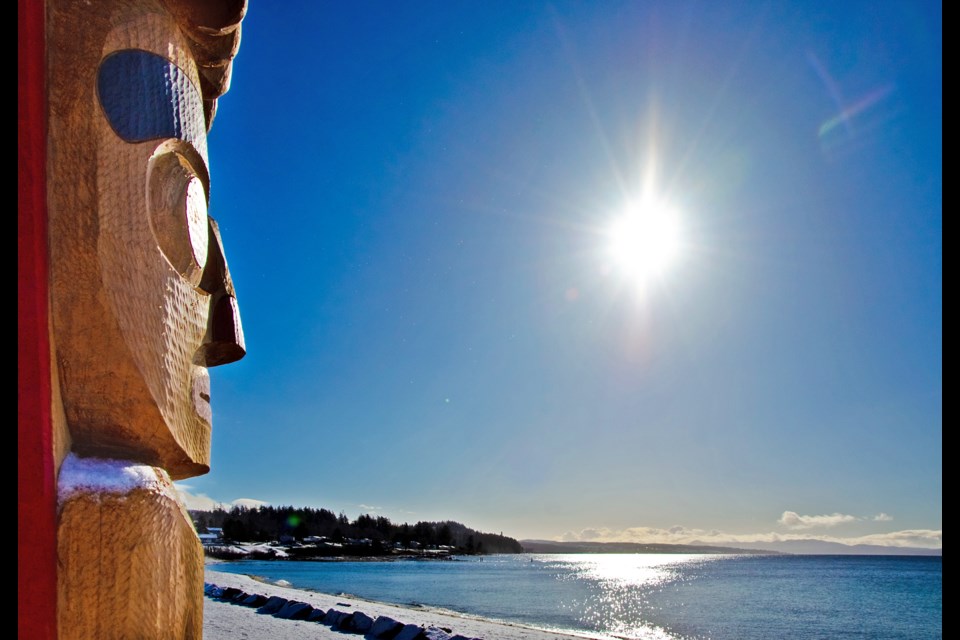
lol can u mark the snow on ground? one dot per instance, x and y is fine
(225, 621)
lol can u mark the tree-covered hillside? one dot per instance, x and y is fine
(268, 523)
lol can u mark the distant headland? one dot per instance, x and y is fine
(551, 546)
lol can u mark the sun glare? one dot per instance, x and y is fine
(645, 241)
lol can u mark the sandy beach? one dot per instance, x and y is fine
(226, 621)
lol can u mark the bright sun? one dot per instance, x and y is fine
(645, 241)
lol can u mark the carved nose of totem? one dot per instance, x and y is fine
(223, 342)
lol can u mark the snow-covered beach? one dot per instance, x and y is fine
(228, 621)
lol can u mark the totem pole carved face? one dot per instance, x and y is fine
(143, 302)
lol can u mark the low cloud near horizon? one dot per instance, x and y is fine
(920, 538)
(203, 502)
(793, 520)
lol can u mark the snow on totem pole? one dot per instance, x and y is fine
(141, 302)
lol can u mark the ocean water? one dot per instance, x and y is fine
(654, 596)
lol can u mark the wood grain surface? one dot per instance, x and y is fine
(131, 565)
(141, 300)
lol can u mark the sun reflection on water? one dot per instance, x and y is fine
(616, 589)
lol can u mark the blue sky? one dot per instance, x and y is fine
(417, 200)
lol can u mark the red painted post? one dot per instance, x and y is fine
(36, 492)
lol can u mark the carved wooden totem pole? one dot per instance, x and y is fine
(140, 303)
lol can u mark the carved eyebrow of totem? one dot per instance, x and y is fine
(146, 97)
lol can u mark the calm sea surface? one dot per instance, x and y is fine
(653, 596)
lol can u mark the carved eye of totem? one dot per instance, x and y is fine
(146, 97)
(177, 202)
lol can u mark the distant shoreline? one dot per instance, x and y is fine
(309, 553)
(276, 551)
(314, 553)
